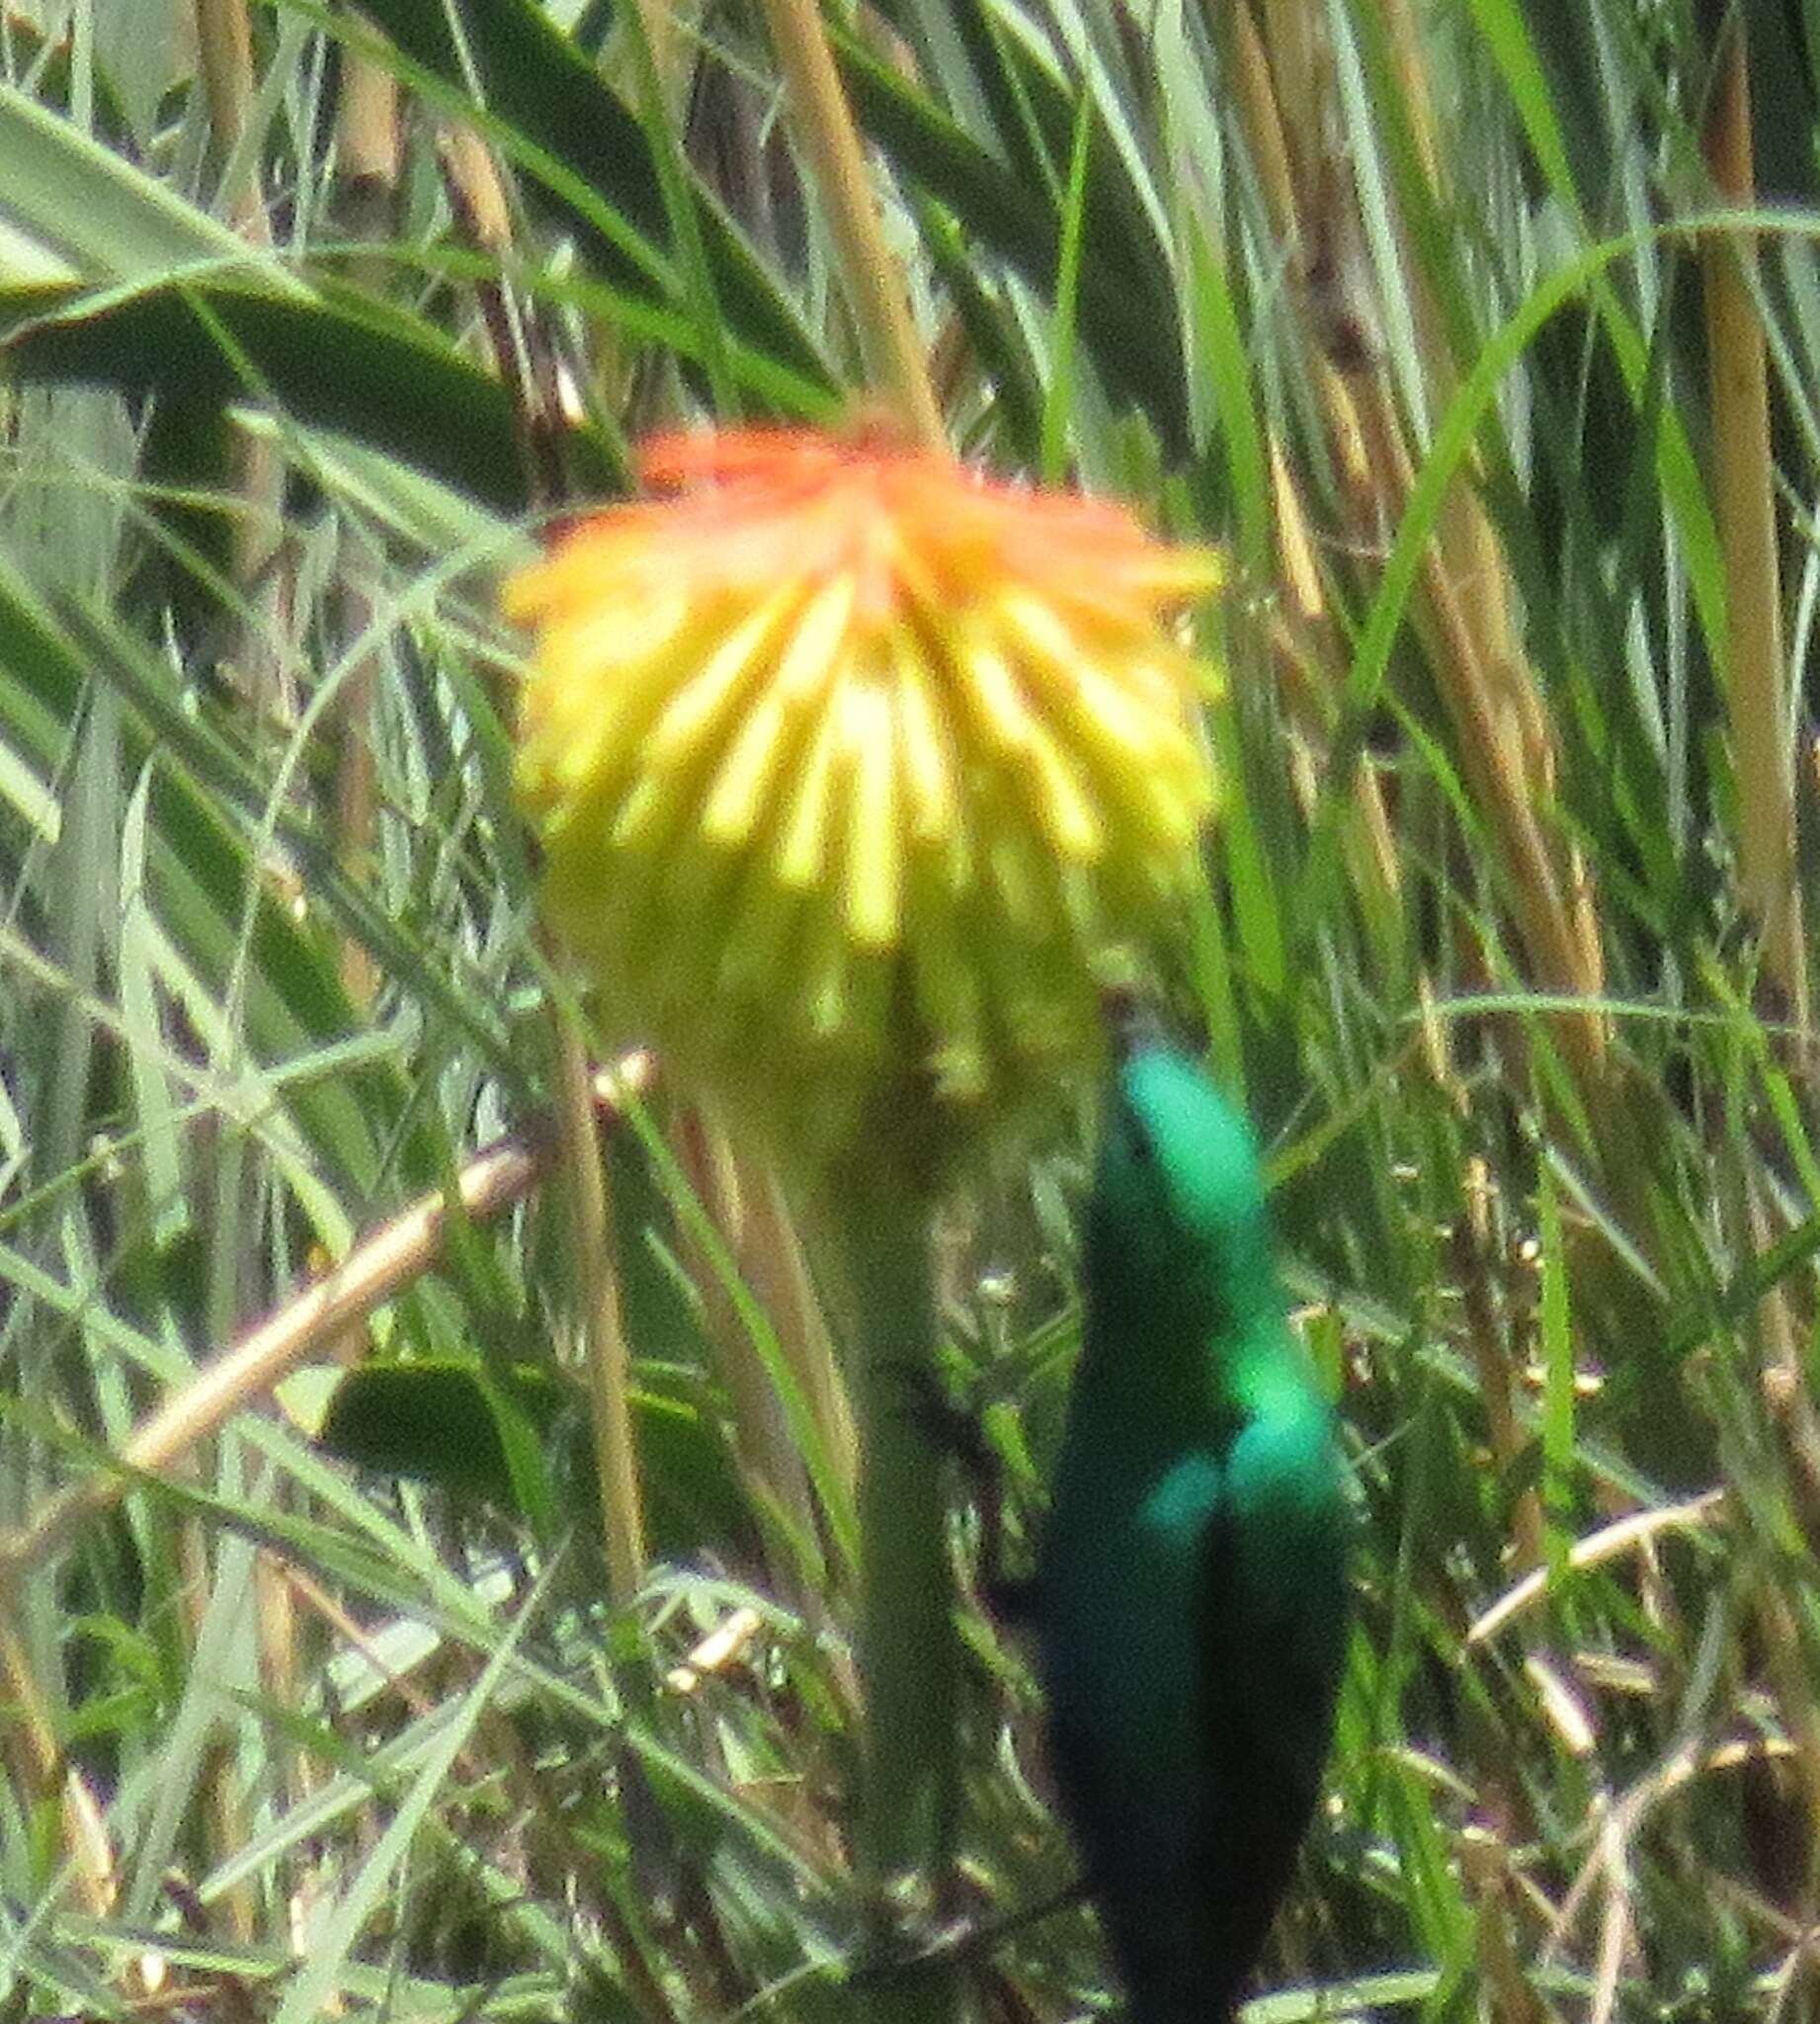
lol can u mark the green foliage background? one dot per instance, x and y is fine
(1407, 304)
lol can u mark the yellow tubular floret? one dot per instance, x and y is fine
(1063, 803)
(874, 864)
(990, 690)
(738, 796)
(931, 792)
(817, 647)
(696, 710)
(803, 846)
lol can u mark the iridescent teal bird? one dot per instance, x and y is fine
(1191, 1594)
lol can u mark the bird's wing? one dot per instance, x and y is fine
(1273, 1611)
(1144, 1874)
(1122, 1636)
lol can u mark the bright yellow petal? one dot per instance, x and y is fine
(931, 792)
(571, 573)
(874, 863)
(802, 848)
(1099, 710)
(1063, 803)
(991, 693)
(737, 797)
(698, 709)
(818, 645)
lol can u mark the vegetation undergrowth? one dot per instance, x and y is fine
(428, 1553)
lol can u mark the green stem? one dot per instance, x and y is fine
(895, 360)
(908, 1652)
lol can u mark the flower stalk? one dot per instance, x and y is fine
(909, 1656)
(895, 362)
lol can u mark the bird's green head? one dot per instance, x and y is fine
(1177, 1213)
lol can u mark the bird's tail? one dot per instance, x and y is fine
(1185, 2000)
(1198, 2011)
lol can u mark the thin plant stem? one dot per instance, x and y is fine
(1744, 503)
(894, 358)
(605, 1357)
(907, 1647)
(767, 1456)
(369, 157)
(224, 51)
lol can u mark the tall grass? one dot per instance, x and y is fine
(521, 1684)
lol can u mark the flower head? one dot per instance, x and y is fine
(845, 762)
